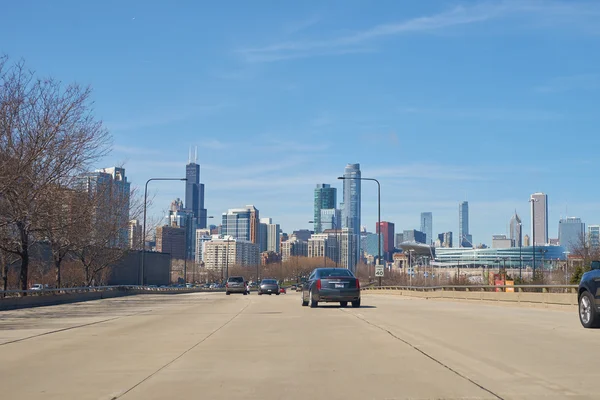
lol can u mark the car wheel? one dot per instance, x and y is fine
(356, 303)
(343, 303)
(259, 293)
(304, 302)
(245, 293)
(313, 303)
(587, 311)
(277, 294)
(227, 293)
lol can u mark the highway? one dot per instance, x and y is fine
(212, 346)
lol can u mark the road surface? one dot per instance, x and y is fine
(212, 346)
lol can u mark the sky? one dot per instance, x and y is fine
(442, 101)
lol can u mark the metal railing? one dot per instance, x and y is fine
(91, 289)
(482, 288)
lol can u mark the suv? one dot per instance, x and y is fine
(236, 284)
(588, 297)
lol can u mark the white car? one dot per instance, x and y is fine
(36, 286)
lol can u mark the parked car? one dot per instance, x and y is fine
(268, 286)
(331, 285)
(589, 297)
(236, 284)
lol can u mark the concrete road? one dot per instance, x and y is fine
(212, 346)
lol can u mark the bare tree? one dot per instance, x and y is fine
(48, 136)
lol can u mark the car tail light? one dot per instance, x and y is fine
(227, 284)
(318, 284)
(357, 284)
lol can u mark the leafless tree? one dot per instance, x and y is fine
(48, 136)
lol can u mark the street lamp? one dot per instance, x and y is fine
(566, 253)
(144, 227)
(533, 200)
(378, 213)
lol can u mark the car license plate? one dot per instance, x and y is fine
(339, 285)
(270, 290)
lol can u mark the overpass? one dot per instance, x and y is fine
(212, 346)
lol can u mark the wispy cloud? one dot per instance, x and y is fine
(544, 12)
(163, 117)
(298, 26)
(568, 83)
(495, 114)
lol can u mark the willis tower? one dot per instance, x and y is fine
(194, 192)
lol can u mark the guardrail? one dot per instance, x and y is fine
(545, 295)
(482, 288)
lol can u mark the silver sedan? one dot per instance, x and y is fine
(268, 286)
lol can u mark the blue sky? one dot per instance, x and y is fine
(442, 101)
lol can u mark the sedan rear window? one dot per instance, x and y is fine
(269, 281)
(236, 279)
(324, 273)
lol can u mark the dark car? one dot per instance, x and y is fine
(331, 285)
(236, 284)
(268, 286)
(589, 297)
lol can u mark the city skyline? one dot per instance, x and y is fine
(249, 92)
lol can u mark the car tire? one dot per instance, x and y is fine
(343, 303)
(588, 316)
(259, 293)
(245, 293)
(227, 293)
(277, 294)
(313, 303)
(304, 302)
(356, 303)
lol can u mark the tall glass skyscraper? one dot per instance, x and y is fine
(571, 232)
(427, 226)
(351, 210)
(539, 217)
(464, 239)
(325, 198)
(194, 194)
(516, 231)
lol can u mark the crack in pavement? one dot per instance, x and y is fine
(182, 354)
(423, 352)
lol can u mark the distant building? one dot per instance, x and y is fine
(427, 226)
(352, 208)
(302, 234)
(273, 238)
(399, 239)
(223, 251)
(539, 216)
(387, 233)
(202, 236)
(331, 218)
(242, 224)
(294, 248)
(325, 198)
(594, 236)
(444, 240)
(194, 193)
(368, 244)
(571, 232)
(553, 241)
(526, 241)
(111, 185)
(413, 235)
(464, 238)
(135, 235)
(262, 233)
(516, 230)
(349, 242)
(501, 242)
(171, 240)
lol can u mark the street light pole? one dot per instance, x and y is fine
(378, 214)
(144, 224)
(520, 253)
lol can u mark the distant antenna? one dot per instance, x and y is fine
(196, 155)
(190, 155)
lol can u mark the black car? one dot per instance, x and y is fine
(268, 286)
(331, 285)
(589, 297)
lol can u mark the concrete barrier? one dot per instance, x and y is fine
(12, 303)
(562, 299)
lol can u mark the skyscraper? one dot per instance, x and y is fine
(112, 189)
(263, 234)
(571, 232)
(351, 210)
(242, 223)
(325, 198)
(516, 230)
(594, 236)
(539, 218)
(387, 239)
(427, 226)
(464, 239)
(331, 219)
(194, 193)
